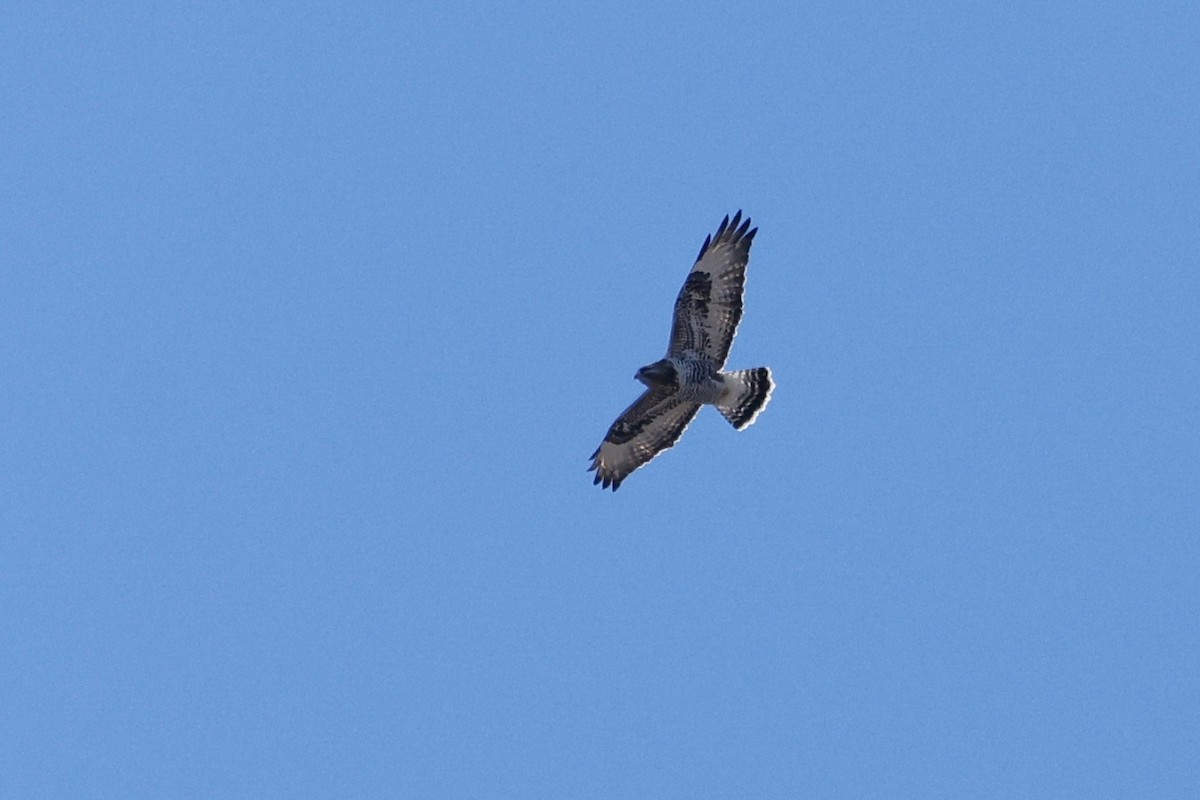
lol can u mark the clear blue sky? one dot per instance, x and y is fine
(310, 316)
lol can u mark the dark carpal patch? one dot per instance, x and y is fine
(695, 297)
(698, 289)
(624, 430)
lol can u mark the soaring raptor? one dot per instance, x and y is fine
(707, 313)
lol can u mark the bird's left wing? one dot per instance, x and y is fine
(709, 306)
(653, 423)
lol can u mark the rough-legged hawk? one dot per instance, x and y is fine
(707, 313)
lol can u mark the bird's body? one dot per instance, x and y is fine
(707, 312)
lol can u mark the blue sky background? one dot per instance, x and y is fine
(310, 316)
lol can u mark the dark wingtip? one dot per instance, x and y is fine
(728, 230)
(741, 232)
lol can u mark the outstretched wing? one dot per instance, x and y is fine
(709, 306)
(653, 423)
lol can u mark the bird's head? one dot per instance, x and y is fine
(660, 374)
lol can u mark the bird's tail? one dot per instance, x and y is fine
(746, 394)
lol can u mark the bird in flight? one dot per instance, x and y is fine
(707, 313)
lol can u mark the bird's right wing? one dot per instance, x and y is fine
(653, 423)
